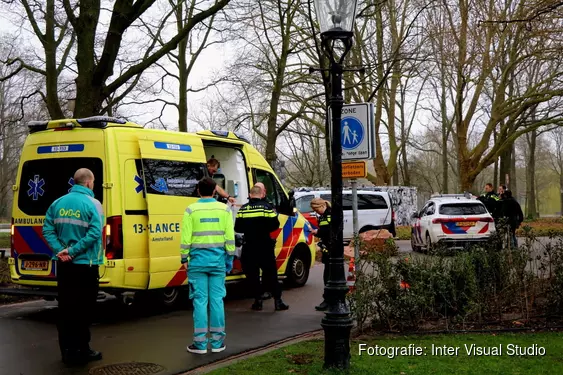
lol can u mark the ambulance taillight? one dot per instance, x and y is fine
(114, 238)
(12, 230)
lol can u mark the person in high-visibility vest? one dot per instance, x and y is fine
(207, 248)
(322, 207)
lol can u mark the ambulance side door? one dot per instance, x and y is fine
(171, 171)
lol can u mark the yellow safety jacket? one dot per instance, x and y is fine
(207, 234)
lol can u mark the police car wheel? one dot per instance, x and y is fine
(414, 247)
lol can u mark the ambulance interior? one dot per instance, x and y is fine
(232, 175)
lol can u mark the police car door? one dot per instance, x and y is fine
(171, 170)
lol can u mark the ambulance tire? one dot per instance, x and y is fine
(298, 266)
(169, 297)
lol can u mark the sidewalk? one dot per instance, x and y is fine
(29, 346)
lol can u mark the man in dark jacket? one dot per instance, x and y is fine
(491, 200)
(512, 214)
(256, 220)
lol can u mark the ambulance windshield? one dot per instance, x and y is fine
(43, 181)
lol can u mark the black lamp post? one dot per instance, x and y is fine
(336, 20)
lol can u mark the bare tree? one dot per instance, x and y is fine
(94, 67)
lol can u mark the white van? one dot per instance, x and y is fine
(375, 210)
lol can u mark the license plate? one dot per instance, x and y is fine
(465, 223)
(35, 265)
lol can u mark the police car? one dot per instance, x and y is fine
(452, 220)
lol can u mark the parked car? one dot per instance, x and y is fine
(453, 220)
(375, 210)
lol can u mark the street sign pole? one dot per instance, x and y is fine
(354, 183)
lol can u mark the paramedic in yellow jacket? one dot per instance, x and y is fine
(207, 249)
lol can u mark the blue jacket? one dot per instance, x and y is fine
(75, 221)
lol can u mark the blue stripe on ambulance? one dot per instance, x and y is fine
(173, 146)
(55, 149)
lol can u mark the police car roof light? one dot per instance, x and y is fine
(466, 195)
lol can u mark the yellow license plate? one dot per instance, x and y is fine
(35, 265)
(465, 223)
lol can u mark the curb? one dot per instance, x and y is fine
(254, 353)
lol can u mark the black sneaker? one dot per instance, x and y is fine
(322, 307)
(194, 349)
(257, 305)
(280, 305)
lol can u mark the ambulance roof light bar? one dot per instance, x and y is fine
(87, 122)
(102, 120)
(226, 133)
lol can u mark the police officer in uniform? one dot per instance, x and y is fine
(207, 248)
(322, 207)
(73, 229)
(256, 220)
(491, 200)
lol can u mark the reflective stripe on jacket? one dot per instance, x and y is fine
(207, 234)
(256, 220)
(75, 221)
(324, 228)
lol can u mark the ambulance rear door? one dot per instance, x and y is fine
(172, 167)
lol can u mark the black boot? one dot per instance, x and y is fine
(257, 305)
(280, 305)
(92, 355)
(322, 307)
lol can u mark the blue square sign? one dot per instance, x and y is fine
(357, 133)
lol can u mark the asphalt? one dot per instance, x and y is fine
(29, 344)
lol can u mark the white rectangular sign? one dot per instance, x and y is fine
(357, 133)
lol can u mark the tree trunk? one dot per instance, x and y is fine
(406, 171)
(561, 193)
(381, 172)
(531, 208)
(182, 73)
(504, 168)
(513, 179)
(495, 169)
(89, 92)
(52, 76)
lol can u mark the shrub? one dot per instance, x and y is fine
(484, 284)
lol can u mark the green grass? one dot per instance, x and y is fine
(307, 357)
(4, 240)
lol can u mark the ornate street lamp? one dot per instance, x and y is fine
(336, 20)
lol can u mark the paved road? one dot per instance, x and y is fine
(29, 346)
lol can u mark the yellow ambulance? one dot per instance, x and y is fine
(145, 179)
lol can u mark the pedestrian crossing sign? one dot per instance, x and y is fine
(357, 135)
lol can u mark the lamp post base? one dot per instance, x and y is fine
(337, 325)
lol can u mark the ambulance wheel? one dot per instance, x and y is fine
(169, 296)
(297, 272)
